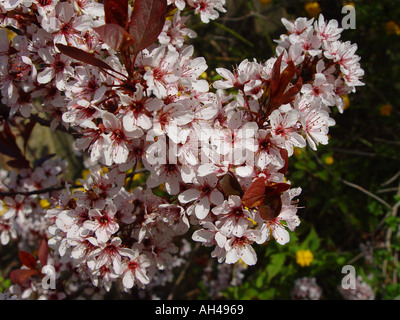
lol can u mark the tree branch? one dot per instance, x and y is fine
(5, 111)
(37, 192)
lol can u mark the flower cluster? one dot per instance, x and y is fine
(306, 289)
(109, 233)
(219, 154)
(22, 209)
(362, 291)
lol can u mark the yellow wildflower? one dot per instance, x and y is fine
(392, 28)
(349, 3)
(329, 160)
(304, 257)
(313, 8)
(297, 151)
(265, 2)
(386, 110)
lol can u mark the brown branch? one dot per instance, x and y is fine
(351, 184)
(182, 274)
(5, 111)
(36, 192)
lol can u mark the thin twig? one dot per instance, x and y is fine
(392, 179)
(386, 190)
(370, 194)
(4, 113)
(351, 184)
(37, 192)
(182, 274)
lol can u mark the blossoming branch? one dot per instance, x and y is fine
(125, 80)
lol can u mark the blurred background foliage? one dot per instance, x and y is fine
(351, 187)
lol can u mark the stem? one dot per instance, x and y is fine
(235, 34)
(4, 113)
(351, 184)
(36, 192)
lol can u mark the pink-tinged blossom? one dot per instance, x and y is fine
(175, 217)
(190, 70)
(209, 235)
(241, 248)
(17, 205)
(108, 254)
(103, 223)
(232, 217)
(175, 31)
(207, 9)
(7, 231)
(236, 79)
(284, 129)
(119, 138)
(171, 117)
(316, 124)
(267, 151)
(66, 26)
(180, 4)
(167, 173)
(89, 84)
(58, 68)
(135, 270)
(202, 196)
(160, 67)
(137, 110)
(297, 27)
(287, 219)
(98, 187)
(327, 31)
(89, 7)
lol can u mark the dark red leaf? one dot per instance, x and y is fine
(292, 92)
(286, 76)
(276, 189)
(27, 259)
(19, 163)
(271, 207)
(9, 147)
(278, 93)
(8, 144)
(230, 185)
(8, 150)
(115, 36)
(147, 21)
(276, 71)
(254, 196)
(83, 56)
(28, 128)
(116, 12)
(43, 251)
(285, 156)
(18, 276)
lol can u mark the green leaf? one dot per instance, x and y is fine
(275, 265)
(260, 280)
(312, 241)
